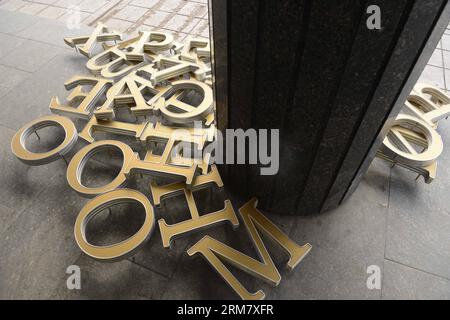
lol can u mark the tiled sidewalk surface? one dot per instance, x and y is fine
(437, 71)
(391, 221)
(180, 17)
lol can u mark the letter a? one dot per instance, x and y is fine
(374, 20)
(74, 280)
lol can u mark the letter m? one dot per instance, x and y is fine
(215, 252)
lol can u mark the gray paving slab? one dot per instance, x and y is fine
(345, 242)
(119, 280)
(156, 19)
(193, 9)
(11, 77)
(401, 282)
(20, 184)
(419, 222)
(434, 76)
(144, 3)
(447, 76)
(446, 57)
(52, 12)
(52, 32)
(12, 5)
(436, 58)
(445, 41)
(130, 13)
(30, 55)
(8, 43)
(181, 23)
(14, 22)
(7, 217)
(159, 259)
(37, 248)
(443, 129)
(31, 98)
(32, 8)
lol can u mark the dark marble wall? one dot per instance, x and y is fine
(315, 71)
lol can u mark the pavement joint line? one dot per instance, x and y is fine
(6, 127)
(40, 41)
(57, 55)
(293, 228)
(389, 187)
(15, 68)
(197, 24)
(139, 22)
(20, 30)
(148, 268)
(67, 9)
(131, 28)
(49, 6)
(26, 208)
(17, 9)
(434, 65)
(382, 279)
(37, 12)
(178, 261)
(443, 70)
(163, 11)
(116, 9)
(170, 15)
(188, 21)
(418, 269)
(101, 13)
(386, 229)
(3, 95)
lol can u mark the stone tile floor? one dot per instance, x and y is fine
(181, 17)
(391, 221)
(437, 71)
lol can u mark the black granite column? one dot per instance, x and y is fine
(315, 70)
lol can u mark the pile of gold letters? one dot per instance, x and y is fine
(412, 141)
(149, 77)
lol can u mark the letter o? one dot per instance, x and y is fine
(36, 159)
(434, 140)
(192, 113)
(124, 248)
(79, 160)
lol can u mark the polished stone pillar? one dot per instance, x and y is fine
(315, 70)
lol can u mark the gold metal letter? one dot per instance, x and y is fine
(124, 248)
(152, 41)
(86, 44)
(186, 113)
(116, 127)
(168, 232)
(127, 92)
(212, 249)
(79, 160)
(88, 99)
(37, 159)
